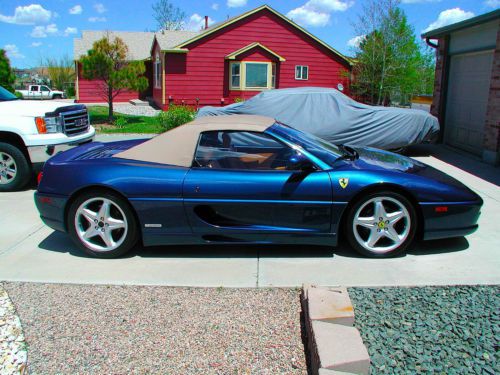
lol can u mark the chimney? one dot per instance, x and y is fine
(206, 22)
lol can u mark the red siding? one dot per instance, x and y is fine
(90, 91)
(203, 72)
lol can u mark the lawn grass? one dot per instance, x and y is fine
(123, 123)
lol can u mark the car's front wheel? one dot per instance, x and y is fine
(15, 171)
(381, 224)
(102, 224)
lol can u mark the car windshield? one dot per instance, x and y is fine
(323, 150)
(6, 95)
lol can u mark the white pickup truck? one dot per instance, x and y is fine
(41, 92)
(30, 133)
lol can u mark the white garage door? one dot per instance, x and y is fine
(468, 90)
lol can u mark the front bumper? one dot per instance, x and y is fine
(51, 208)
(459, 219)
(40, 154)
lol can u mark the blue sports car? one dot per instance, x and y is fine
(244, 179)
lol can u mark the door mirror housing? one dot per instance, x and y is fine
(299, 162)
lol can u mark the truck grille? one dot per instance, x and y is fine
(75, 122)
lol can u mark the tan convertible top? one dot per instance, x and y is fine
(177, 146)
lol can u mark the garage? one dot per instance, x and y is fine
(467, 84)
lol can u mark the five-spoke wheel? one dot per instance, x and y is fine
(381, 224)
(102, 224)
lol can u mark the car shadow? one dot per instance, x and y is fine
(61, 243)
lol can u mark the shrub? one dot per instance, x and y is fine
(120, 122)
(18, 94)
(175, 116)
(239, 100)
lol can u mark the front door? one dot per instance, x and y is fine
(242, 185)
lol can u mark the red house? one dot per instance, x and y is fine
(258, 50)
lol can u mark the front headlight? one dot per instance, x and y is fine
(53, 124)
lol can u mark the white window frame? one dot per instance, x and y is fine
(157, 70)
(271, 83)
(300, 69)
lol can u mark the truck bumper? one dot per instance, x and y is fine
(40, 154)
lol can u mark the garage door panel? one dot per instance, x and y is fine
(468, 90)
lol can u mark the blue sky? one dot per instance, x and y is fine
(33, 30)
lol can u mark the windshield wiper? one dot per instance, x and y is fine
(348, 152)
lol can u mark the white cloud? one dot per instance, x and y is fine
(77, 9)
(317, 12)
(492, 3)
(419, 1)
(197, 22)
(449, 16)
(70, 30)
(43, 31)
(100, 8)
(97, 19)
(355, 41)
(12, 51)
(236, 3)
(215, 6)
(36, 44)
(28, 15)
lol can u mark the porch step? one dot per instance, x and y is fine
(138, 102)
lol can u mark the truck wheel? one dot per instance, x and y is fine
(15, 171)
(57, 96)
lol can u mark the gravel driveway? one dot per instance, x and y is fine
(138, 329)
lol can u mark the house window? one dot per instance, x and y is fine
(235, 75)
(157, 71)
(301, 72)
(246, 75)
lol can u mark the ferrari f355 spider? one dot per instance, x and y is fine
(245, 179)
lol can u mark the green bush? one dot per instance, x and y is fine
(239, 100)
(18, 94)
(175, 116)
(121, 122)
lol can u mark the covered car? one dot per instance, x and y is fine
(333, 116)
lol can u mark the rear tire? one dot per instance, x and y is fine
(381, 224)
(102, 224)
(15, 170)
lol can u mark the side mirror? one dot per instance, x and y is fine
(299, 162)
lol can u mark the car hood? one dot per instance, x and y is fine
(374, 159)
(32, 108)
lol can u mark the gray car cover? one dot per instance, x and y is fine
(333, 116)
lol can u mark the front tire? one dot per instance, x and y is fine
(381, 224)
(15, 171)
(102, 224)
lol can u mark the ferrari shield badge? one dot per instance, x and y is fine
(343, 182)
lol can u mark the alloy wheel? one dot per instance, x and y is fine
(8, 168)
(101, 225)
(381, 224)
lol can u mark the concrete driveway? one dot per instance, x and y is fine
(29, 251)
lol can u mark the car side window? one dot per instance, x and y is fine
(241, 151)
(44, 88)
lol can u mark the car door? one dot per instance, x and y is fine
(243, 184)
(44, 92)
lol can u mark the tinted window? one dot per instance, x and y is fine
(241, 150)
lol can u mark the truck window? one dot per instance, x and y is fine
(45, 88)
(34, 88)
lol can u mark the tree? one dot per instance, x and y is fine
(7, 77)
(389, 61)
(61, 72)
(168, 16)
(106, 61)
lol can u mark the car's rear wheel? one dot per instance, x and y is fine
(15, 171)
(381, 224)
(102, 224)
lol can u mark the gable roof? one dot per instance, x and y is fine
(230, 21)
(233, 55)
(470, 22)
(138, 43)
(177, 146)
(168, 39)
